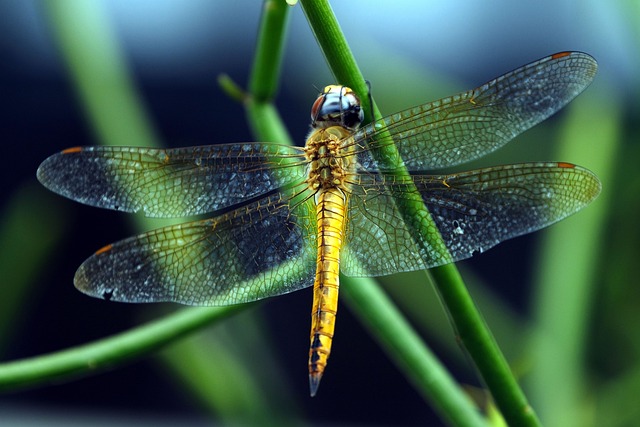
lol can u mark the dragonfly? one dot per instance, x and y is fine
(283, 218)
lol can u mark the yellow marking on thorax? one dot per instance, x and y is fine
(328, 178)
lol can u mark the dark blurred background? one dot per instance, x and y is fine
(412, 52)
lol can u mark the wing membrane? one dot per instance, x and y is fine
(172, 182)
(473, 212)
(466, 126)
(264, 249)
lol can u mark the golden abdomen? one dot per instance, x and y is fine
(330, 212)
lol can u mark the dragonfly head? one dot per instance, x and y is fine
(337, 106)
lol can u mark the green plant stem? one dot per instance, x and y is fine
(265, 73)
(405, 346)
(264, 119)
(218, 366)
(468, 322)
(481, 345)
(105, 353)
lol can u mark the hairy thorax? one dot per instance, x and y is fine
(331, 159)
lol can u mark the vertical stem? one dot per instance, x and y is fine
(265, 73)
(264, 119)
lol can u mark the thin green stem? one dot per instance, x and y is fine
(481, 345)
(263, 118)
(468, 322)
(99, 355)
(405, 346)
(336, 50)
(265, 73)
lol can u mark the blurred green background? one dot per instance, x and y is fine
(562, 303)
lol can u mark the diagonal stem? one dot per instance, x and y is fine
(468, 322)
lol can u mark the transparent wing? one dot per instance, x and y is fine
(170, 182)
(473, 211)
(467, 126)
(264, 249)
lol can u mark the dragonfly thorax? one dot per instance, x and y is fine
(329, 164)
